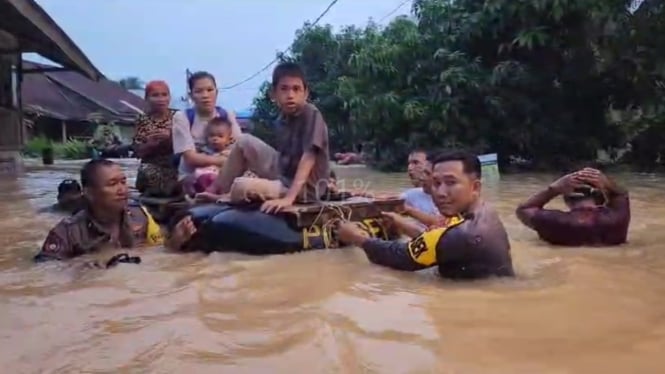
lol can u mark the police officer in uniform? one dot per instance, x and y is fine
(473, 244)
(107, 219)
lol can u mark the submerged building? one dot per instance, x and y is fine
(26, 28)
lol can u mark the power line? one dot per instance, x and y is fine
(332, 3)
(394, 10)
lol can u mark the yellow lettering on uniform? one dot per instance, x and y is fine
(423, 248)
(307, 233)
(305, 239)
(373, 227)
(326, 238)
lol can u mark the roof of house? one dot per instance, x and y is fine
(245, 114)
(33, 30)
(68, 95)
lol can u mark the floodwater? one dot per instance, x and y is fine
(568, 311)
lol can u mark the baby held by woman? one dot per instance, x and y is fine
(218, 142)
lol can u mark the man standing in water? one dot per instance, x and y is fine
(598, 211)
(69, 200)
(418, 201)
(107, 220)
(419, 170)
(474, 244)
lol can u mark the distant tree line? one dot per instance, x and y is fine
(550, 82)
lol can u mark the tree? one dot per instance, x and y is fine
(537, 80)
(131, 83)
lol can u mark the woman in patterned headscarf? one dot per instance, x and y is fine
(157, 176)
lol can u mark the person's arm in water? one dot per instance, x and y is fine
(533, 208)
(617, 196)
(422, 217)
(618, 202)
(618, 205)
(183, 143)
(402, 225)
(57, 245)
(416, 254)
(532, 212)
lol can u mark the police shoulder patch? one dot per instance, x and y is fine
(423, 248)
(54, 243)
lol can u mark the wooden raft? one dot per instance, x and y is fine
(162, 208)
(307, 215)
(298, 215)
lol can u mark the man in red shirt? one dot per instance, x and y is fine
(599, 211)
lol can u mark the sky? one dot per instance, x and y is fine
(232, 39)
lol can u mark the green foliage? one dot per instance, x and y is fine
(35, 146)
(72, 150)
(529, 79)
(131, 83)
(264, 115)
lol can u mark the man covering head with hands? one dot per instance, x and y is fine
(598, 211)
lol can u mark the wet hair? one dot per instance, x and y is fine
(470, 161)
(288, 69)
(432, 155)
(69, 186)
(579, 166)
(219, 121)
(192, 79)
(90, 169)
(585, 193)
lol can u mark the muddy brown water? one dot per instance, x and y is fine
(568, 311)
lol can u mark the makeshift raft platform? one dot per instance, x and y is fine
(355, 209)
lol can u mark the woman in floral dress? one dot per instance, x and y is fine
(157, 174)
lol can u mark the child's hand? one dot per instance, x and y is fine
(276, 205)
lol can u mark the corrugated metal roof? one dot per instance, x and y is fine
(37, 32)
(69, 95)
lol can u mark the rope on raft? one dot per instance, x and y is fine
(343, 214)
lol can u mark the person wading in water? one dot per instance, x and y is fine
(598, 211)
(107, 220)
(473, 244)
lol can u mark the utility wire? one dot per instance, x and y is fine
(267, 66)
(316, 21)
(394, 10)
